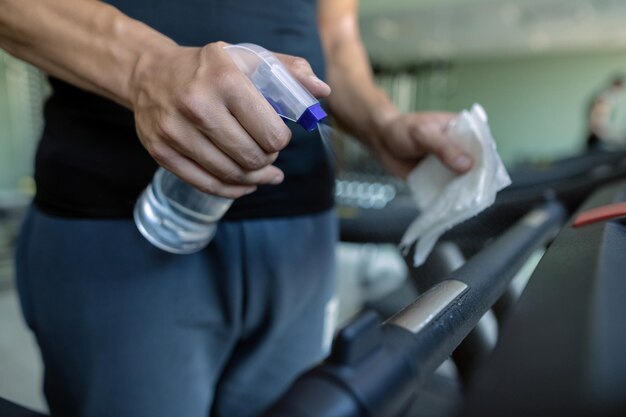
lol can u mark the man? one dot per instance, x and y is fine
(124, 328)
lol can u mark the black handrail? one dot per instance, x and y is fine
(376, 370)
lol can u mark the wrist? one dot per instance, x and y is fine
(141, 51)
(382, 120)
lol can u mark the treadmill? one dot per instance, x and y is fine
(562, 350)
(560, 353)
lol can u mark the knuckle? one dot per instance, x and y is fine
(278, 139)
(167, 127)
(162, 155)
(211, 51)
(227, 81)
(190, 103)
(219, 45)
(254, 161)
(233, 176)
(300, 64)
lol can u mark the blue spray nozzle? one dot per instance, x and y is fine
(311, 117)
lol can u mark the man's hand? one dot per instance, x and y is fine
(202, 119)
(365, 111)
(407, 138)
(195, 112)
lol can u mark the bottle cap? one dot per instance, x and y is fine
(311, 117)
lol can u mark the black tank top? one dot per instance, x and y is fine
(90, 162)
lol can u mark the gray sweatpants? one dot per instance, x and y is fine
(127, 330)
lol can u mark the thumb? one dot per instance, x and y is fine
(456, 158)
(449, 152)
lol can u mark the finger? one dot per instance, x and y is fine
(225, 131)
(187, 170)
(257, 117)
(302, 71)
(452, 155)
(434, 139)
(201, 150)
(264, 131)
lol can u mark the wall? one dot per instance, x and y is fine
(536, 105)
(6, 167)
(22, 90)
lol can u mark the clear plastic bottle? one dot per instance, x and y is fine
(178, 218)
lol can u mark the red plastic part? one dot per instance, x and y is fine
(599, 214)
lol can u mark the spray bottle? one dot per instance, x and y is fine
(178, 218)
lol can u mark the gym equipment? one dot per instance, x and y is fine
(377, 370)
(570, 180)
(561, 352)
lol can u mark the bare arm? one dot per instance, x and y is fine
(195, 112)
(400, 140)
(87, 43)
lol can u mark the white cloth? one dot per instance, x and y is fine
(446, 199)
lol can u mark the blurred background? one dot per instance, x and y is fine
(534, 65)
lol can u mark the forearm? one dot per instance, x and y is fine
(84, 42)
(400, 140)
(359, 105)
